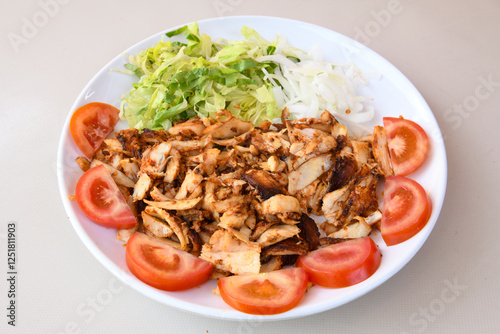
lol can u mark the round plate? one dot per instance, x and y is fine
(393, 95)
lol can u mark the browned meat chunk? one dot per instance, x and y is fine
(265, 185)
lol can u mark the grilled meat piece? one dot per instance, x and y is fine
(261, 227)
(309, 232)
(129, 139)
(290, 246)
(175, 204)
(230, 254)
(191, 145)
(83, 163)
(269, 142)
(125, 234)
(173, 166)
(327, 241)
(343, 169)
(280, 204)
(271, 263)
(193, 127)
(356, 198)
(276, 234)
(358, 229)
(179, 227)
(196, 243)
(141, 187)
(228, 128)
(363, 196)
(154, 160)
(381, 150)
(156, 226)
(152, 137)
(234, 217)
(265, 185)
(308, 172)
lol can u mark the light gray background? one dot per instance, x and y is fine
(448, 49)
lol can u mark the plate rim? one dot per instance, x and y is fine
(210, 311)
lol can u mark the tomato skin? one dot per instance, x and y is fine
(101, 201)
(343, 264)
(164, 267)
(408, 145)
(264, 294)
(406, 209)
(91, 124)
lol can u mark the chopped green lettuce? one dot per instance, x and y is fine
(199, 77)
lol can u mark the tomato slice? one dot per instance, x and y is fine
(165, 267)
(100, 199)
(408, 145)
(406, 209)
(91, 124)
(267, 293)
(343, 264)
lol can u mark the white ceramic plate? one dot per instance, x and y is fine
(393, 95)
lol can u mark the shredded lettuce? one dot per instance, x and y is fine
(254, 79)
(200, 77)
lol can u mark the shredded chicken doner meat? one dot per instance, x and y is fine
(240, 196)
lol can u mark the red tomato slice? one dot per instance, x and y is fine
(343, 264)
(267, 293)
(408, 145)
(406, 209)
(165, 267)
(100, 199)
(91, 124)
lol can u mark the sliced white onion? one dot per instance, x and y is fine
(310, 86)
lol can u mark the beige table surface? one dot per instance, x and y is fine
(449, 49)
